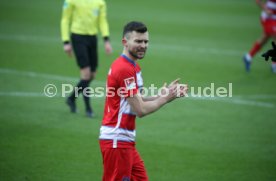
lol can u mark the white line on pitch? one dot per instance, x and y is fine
(44, 76)
(172, 47)
(240, 99)
(228, 100)
(237, 100)
(22, 94)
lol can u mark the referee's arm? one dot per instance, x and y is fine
(104, 28)
(65, 21)
(103, 24)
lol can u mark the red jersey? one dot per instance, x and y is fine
(118, 124)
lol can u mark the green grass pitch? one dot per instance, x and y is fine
(201, 42)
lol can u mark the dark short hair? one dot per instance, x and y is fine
(135, 26)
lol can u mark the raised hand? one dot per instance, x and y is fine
(182, 90)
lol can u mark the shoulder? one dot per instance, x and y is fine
(121, 64)
(121, 67)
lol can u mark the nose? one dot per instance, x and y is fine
(144, 44)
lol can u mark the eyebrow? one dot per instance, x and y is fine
(141, 39)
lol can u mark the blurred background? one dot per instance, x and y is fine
(192, 139)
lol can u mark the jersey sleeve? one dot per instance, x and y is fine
(65, 20)
(127, 83)
(103, 24)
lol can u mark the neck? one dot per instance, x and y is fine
(129, 55)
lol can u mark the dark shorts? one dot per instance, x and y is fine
(86, 50)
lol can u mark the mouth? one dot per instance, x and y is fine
(141, 51)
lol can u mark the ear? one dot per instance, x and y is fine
(124, 41)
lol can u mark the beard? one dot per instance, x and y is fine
(139, 54)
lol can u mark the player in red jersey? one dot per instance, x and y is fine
(268, 21)
(123, 103)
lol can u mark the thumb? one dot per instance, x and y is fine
(176, 81)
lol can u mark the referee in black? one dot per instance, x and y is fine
(81, 20)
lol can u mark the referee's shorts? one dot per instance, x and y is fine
(86, 50)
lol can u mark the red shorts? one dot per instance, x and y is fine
(123, 164)
(269, 26)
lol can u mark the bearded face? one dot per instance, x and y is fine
(136, 44)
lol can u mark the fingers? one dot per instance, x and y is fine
(172, 93)
(174, 90)
(182, 90)
(108, 48)
(68, 49)
(176, 81)
(179, 90)
(69, 53)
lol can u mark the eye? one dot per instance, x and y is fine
(141, 41)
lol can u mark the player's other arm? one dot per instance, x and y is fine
(149, 98)
(152, 98)
(143, 106)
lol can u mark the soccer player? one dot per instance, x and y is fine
(268, 21)
(80, 22)
(124, 102)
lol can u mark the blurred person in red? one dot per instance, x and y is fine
(268, 21)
